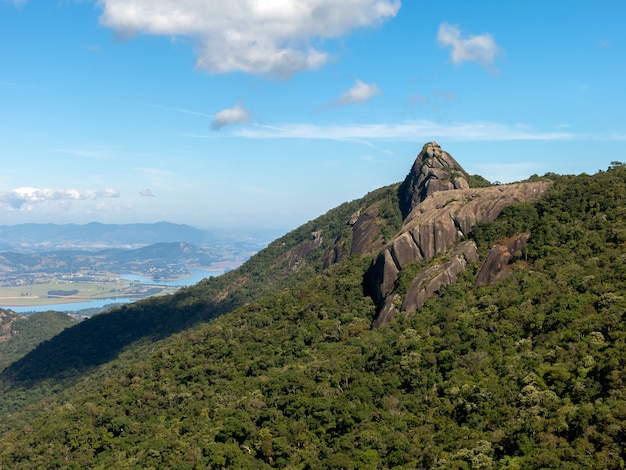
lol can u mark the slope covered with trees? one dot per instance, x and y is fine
(526, 373)
(21, 334)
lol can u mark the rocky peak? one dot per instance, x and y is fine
(439, 210)
(434, 170)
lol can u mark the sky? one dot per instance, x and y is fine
(268, 113)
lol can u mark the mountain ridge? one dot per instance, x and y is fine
(369, 227)
(276, 364)
(97, 235)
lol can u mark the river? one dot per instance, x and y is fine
(196, 276)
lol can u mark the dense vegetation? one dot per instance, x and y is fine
(23, 333)
(103, 337)
(528, 373)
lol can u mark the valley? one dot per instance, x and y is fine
(76, 265)
(65, 277)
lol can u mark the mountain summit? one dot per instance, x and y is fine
(439, 211)
(434, 170)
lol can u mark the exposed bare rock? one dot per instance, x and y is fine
(405, 250)
(429, 281)
(496, 265)
(354, 217)
(434, 170)
(297, 254)
(387, 312)
(366, 236)
(437, 224)
(381, 277)
(5, 332)
(335, 253)
(222, 295)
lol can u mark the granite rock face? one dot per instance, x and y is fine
(7, 318)
(428, 282)
(297, 255)
(439, 211)
(497, 264)
(434, 170)
(366, 236)
(437, 224)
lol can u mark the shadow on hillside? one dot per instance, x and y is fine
(100, 339)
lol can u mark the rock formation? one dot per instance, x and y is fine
(297, 254)
(7, 319)
(366, 231)
(439, 210)
(496, 265)
(434, 170)
(428, 282)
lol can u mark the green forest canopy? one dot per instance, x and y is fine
(529, 373)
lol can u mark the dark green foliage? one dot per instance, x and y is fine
(25, 333)
(515, 219)
(477, 181)
(390, 213)
(102, 337)
(63, 292)
(527, 374)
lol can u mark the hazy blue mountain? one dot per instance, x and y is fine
(95, 236)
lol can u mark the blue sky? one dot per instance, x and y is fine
(269, 113)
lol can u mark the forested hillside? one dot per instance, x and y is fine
(19, 334)
(277, 365)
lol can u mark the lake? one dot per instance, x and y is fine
(196, 276)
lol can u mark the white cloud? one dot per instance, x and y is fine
(481, 48)
(260, 37)
(146, 193)
(26, 198)
(230, 116)
(359, 93)
(508, 172)
(408, 131)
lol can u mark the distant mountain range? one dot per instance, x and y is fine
(95, 236)
(157, 255)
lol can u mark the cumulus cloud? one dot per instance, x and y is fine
(481, 49)
(269, 37)
(26, 198)
(230, 116)
(359, 93)
(146, 193)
